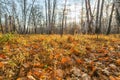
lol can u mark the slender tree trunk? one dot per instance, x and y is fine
(97, 17)
(14, 26)
(19, 26)
(46, 12)
(91, 17)
(34, 21)
(53, 16)
(0, 19)
(24, 13)
(101, 14)
(1, 25)
(62, 26)
(6, 23)
(10, 23)
(82, 17)
(117, 19)
(33, 2)
(87, 13)
(110, 20)
(49, 16)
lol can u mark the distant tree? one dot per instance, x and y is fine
(49, 16)
(118, 20)
(6, 23)
(97, 17)
(24, 14)
(63, 18)
(89, 15)
(53, 15)
(110, 20)
(117, 14)
(101, 14)
(46, 16)
(0, 18)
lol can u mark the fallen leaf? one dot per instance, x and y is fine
(2, 56)
(59, 73)
(88, 48)
(31, 77)
(1, 64)
(79, 61)
(113, 66)
(85, 76)
(118, 62)
(111, 78)
(65, 60)
(76, 71)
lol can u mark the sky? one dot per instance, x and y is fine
(74, 7)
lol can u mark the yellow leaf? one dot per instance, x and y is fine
(1, 64)
(112, 78)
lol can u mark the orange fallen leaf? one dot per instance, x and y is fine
(51, 56)
(111, 78)
(103, 59)
(38, 65)
(79, 61)
(57, 56)
(1, 64)
(111, 48)
(65, 60)
(2, 56)
(1, 78)
(59, 73)
(102, 50)
(118, 62)
(70, 39)
(117, 78)
(88, 48)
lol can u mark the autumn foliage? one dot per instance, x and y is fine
(52, 57)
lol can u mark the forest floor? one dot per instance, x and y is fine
(51, 57)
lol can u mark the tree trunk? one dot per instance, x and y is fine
(6, 23)
(46, 16)
(53, 16)
(0, 19)
(24, 14)
(97, 17)
(118, 20)
(62, 26)
(89, 15)
(110, 20)
(101, 14)
(10, 23)
(49, 17)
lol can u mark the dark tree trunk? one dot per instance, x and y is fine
(89, 15)
(6, 23)
(46, 16)
(62, 26)
(118, 20)
(53, 16)
(10, 23)
(24, 14)
(49, 17)
(0, 19)
(1, 25)
(101, 14)
(97, 17)
(110, 20)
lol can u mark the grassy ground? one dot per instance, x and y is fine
(51, 57)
